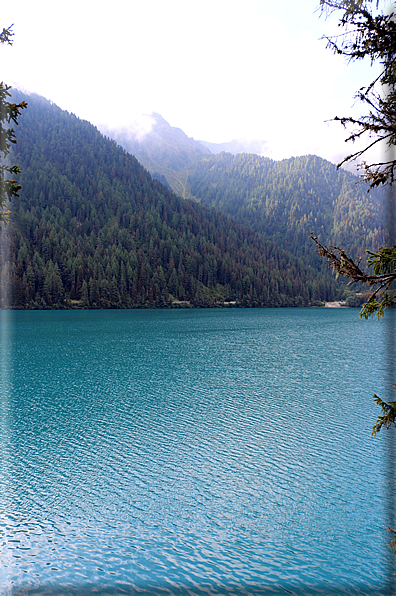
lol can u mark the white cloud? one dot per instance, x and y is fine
(135, 129)
(217, 70)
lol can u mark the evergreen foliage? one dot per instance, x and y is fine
(9, 113)
(288, 199)
(369, 31)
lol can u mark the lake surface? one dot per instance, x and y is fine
(201, 450)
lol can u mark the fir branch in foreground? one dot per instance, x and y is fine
(388, 417)
(384, 268)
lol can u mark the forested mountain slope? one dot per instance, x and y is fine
(166, 151)
(92, 228)
(284, 199)
(287, 199)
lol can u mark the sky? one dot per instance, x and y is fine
(217, 69)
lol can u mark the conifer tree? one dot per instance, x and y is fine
(369, 31)
(9, 113)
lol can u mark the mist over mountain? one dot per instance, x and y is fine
(161, 148)
(168, 152)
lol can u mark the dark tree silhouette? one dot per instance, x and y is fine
(9, 113)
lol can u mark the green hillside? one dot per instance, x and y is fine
(287, 199)
(93, 229)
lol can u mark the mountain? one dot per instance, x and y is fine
(92, 228)
(284, 200)
(163, 149)
(168, 153)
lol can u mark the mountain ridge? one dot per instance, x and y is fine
(236, 146)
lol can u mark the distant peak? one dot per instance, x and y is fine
(159, 119)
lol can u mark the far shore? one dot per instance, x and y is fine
(338, 304)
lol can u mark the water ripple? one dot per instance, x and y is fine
(200, 449)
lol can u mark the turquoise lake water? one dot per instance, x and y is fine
(202, 450)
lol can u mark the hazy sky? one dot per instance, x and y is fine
(217, 69)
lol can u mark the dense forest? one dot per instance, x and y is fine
(287, 199)
(92, 228)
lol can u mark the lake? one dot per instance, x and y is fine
(209, 451)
